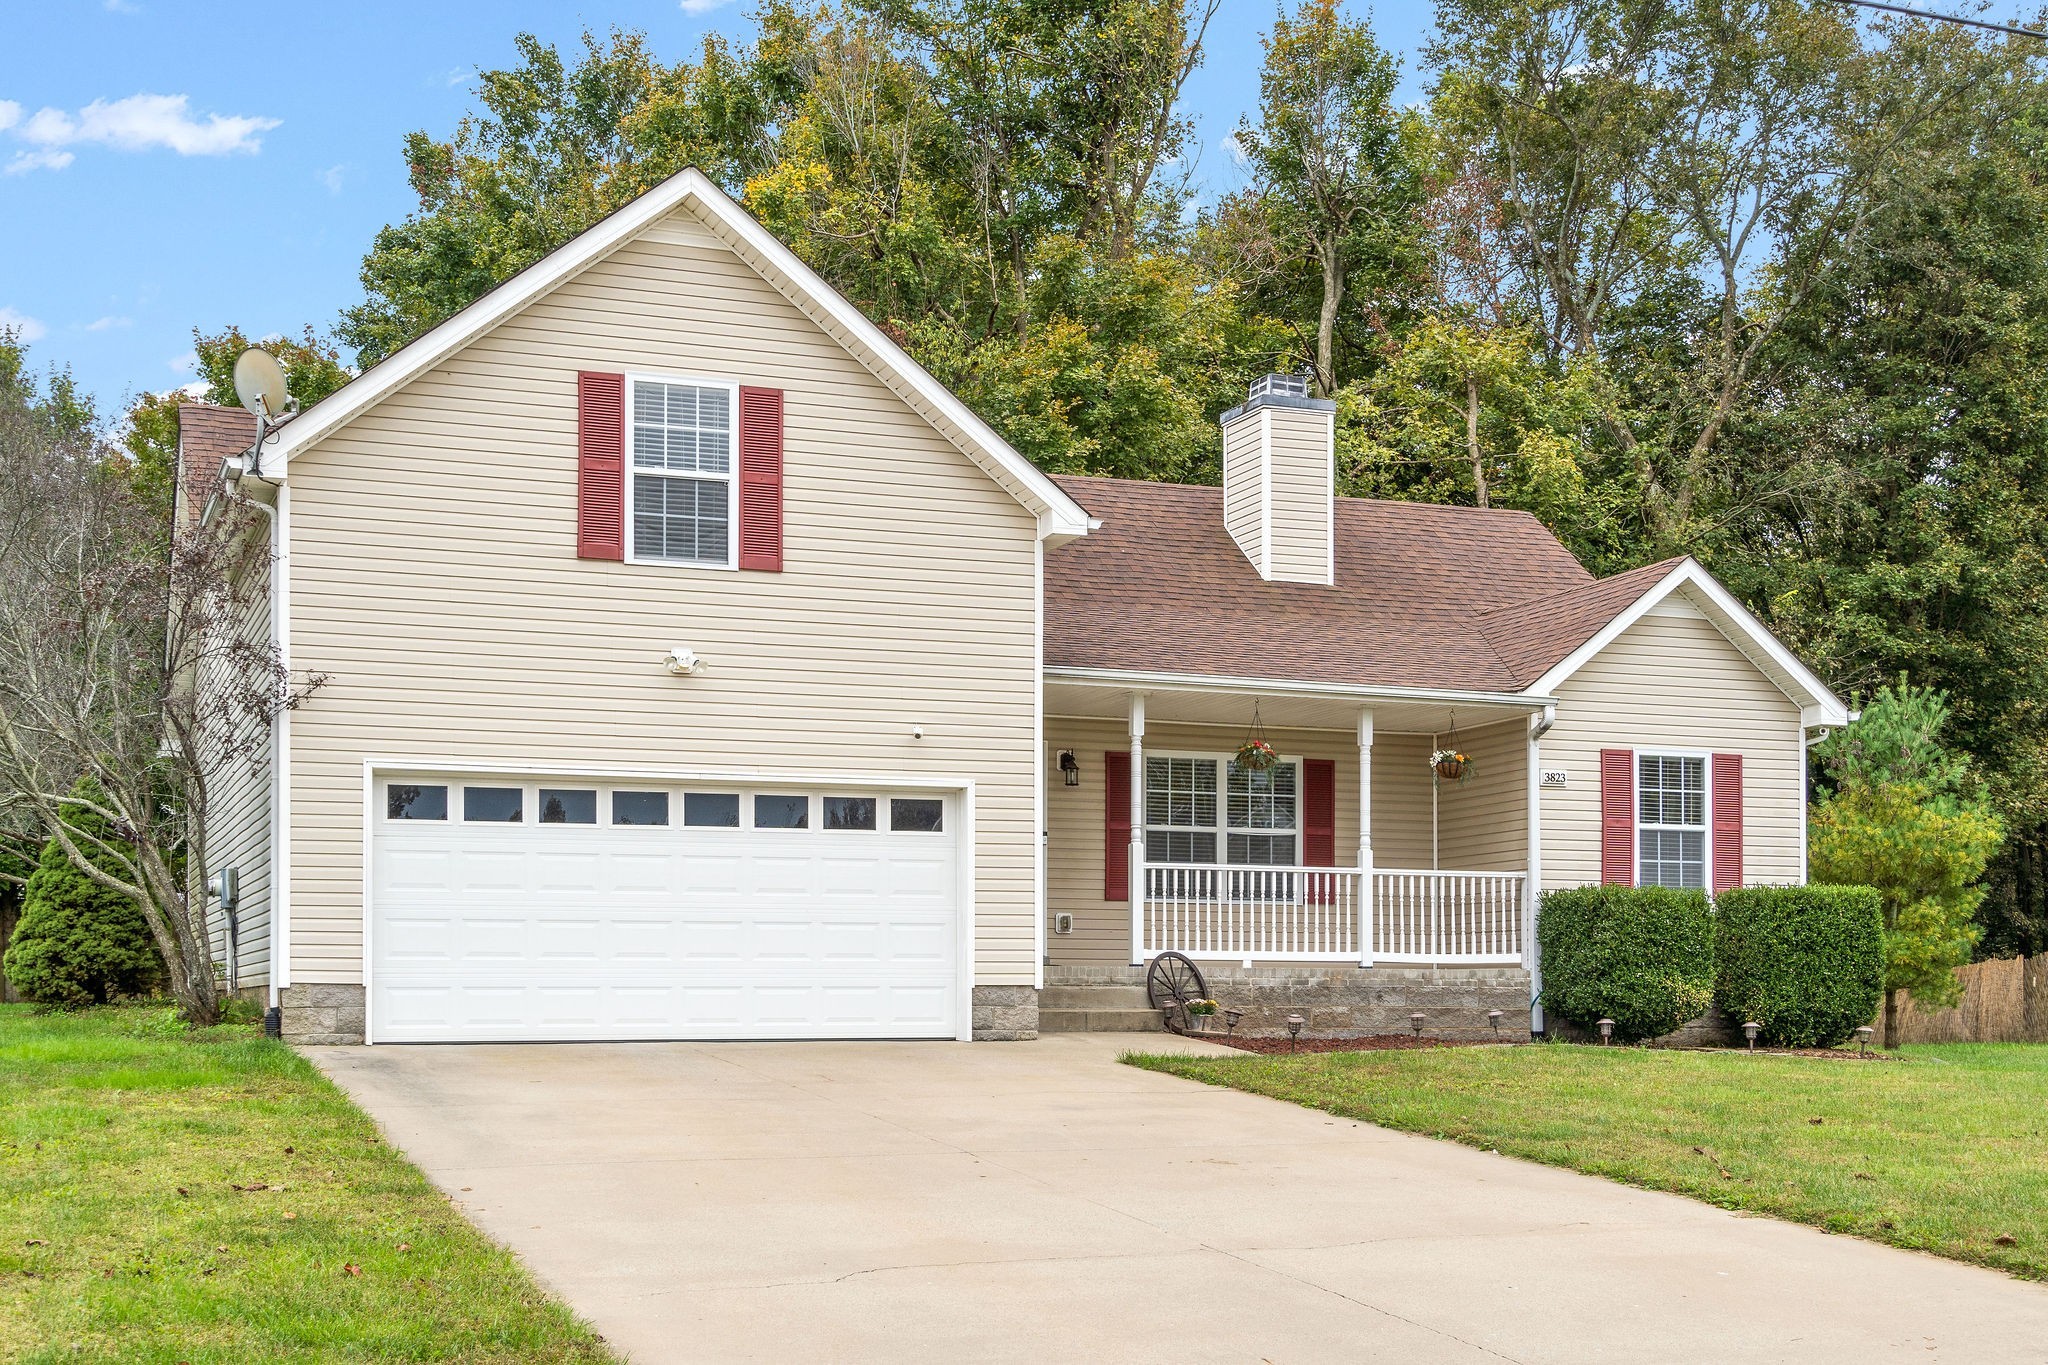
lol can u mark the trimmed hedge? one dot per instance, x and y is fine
(1642, 956)
(77, 943)
(1806, 962)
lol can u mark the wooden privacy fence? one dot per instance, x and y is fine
(2004, 1001)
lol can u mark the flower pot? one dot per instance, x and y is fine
(1450, 769)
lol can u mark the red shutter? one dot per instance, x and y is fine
(1727, 822)
(600, 466)
(761, 479)
(1318, 812)
(1617, 817)
(1116, 826)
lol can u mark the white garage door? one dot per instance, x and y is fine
(557, 909)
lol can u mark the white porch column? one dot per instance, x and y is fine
(1532, 886)
(1365, 879)
(1137, 873)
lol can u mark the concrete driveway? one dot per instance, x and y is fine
(1037, 1202)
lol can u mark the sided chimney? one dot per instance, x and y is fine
(1280, 480)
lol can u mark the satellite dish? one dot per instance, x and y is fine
(259, 384)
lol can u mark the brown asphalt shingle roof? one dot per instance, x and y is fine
(1426, 596)
(207, 435)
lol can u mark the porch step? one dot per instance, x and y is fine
(1099, 1021)
(1093, 997)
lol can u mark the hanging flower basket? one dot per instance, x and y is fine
(1255, 756)
(1451, 765)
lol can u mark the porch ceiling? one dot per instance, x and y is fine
(1282, 704)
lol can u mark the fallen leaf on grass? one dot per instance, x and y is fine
(183, 1193)
(1816, 1120)
(291, 1216)
(405, 1246)
(249, 1188)
(1865, 1175)
(289, 1150)
(38, 1242)
(352, 1270)
(2006, 1239)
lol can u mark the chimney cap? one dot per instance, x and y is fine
(1279, 386)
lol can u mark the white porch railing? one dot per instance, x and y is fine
(1317, 914)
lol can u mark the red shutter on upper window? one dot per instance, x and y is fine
(1727, 822)
(1116, 826)
(761, 479)
(1617, 817)
(1318, 812)
(600, 466)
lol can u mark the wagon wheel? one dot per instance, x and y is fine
(1172, 980)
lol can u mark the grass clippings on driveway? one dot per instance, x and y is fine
(206, 1197)
(1944, 1152)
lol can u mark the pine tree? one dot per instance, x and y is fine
(78, 943)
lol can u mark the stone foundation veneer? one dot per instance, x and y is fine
(318, 1015)
(1005, 1014)
(1352, 1002)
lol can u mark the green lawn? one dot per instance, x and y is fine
(1946, 1151)
(123, 1235)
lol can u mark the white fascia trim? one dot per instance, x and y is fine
(281, 756)
(1206, 682)
(1266, 493)
(1059, 515)
(603, 771)
(1819, 705)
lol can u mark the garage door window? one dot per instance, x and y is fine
(850, 812)
(493, 805)
(716, 810)
(916, 815)
(782, 812)
(639, 808)
(559, 806)
(409, 801)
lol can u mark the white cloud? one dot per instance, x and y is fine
(138, 123)
(331, 178)
(24, 327)
(1234, 149)
(701, 6)
(195, 390)
(184, 364)
(108, 323)
(39, 161)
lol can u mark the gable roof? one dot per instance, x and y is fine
(1442, 599)
(1059, 518)
(1161, 586)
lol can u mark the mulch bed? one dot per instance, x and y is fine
(1384, 1042)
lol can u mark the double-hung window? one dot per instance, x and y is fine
(1671, 821)
(681, 458)
(1199, 808)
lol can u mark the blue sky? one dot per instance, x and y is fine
(159, 172)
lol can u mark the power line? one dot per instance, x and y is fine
(1951, 19)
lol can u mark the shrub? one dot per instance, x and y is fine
(1642, 956)
(1806, 962)
(77, 943)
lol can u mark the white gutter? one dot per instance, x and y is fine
(1206, 682)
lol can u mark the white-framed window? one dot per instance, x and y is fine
(1198, 805)
(681, 499)
(1671, 820)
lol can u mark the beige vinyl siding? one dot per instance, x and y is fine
(1483, 821)
(1674, 681)
(239, 830)
(435, 580)
(1076, 828)
(1303, 486)
(1244, 486)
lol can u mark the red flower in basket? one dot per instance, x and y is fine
(1256, 755)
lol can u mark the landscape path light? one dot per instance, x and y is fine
(1294, 1023)
(1415, 1022)
(1750, 1032)
(1606, 1032)
(1493, 1018)
(1863, 1033)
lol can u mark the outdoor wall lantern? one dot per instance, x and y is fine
(1294, 1023)
(1863, 1033)
(1750, 1031)
(1493, 1018)
(1606, 1032)
(1070, 768)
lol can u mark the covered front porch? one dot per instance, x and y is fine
(1347, 851)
